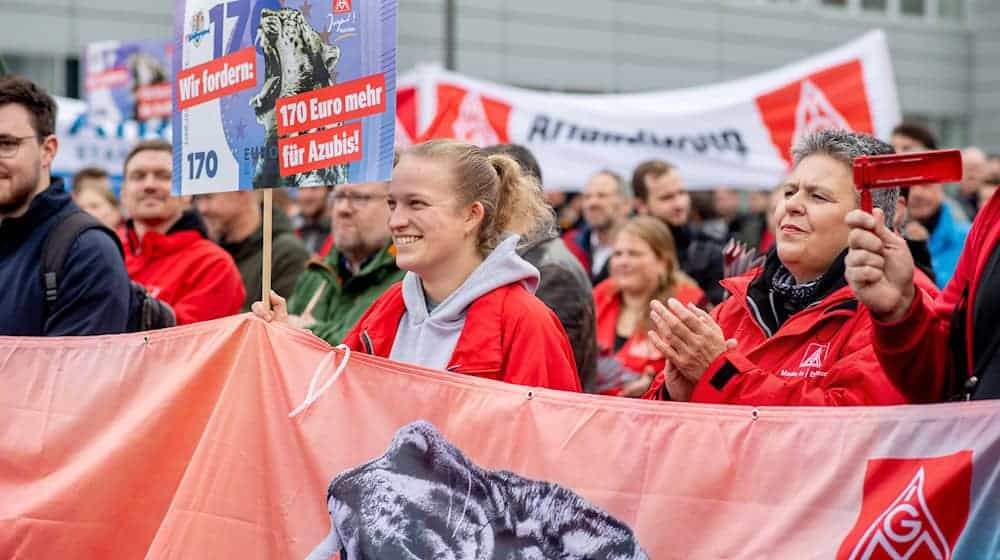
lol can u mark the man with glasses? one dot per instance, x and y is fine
(89, 294)
(335, 290)
(234, 222)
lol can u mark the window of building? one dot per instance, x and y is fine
(40, 69)
(912, 7)
(950, 9)
(835, 3)
(73, 78)
(874, 5)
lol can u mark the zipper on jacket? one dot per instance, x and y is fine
(367, 341)
(758, 318)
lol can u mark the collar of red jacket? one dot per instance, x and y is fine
(187, 231)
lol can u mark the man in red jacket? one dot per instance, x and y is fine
(166, 249)
(939, 348)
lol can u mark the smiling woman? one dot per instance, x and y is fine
(643, 268)
(792, 333)
(466, 302)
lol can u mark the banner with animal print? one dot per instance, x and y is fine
(737, 133)
(283, 93)
(128, 81)
(238, 438)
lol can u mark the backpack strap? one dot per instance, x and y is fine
(58, 243)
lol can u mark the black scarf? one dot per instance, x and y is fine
(774, 295)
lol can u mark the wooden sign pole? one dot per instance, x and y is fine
(266, 278)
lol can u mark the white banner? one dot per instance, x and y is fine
(736, 134)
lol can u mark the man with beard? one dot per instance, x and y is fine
(92, 295)
(607, 202)
(335, 290)
(660, 193)
(166, 249)
(234, 221)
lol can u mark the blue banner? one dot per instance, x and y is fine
(128, 81)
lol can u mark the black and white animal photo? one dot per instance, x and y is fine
(296, 60)
(425, 499)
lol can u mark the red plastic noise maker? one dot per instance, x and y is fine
(904, 171)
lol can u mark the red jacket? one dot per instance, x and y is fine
(509, 335)
(572, 239)
(916, 351)
(822, 355)
(638, 352)
(195, 276)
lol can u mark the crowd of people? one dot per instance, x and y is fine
(464, 262)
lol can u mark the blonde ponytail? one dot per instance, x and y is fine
(512, 201)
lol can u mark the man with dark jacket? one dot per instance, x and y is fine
(234, 221)
(312, 224)
(607, 203)
(166, 249)
(93, 288)
(563, 284)
(660, 192)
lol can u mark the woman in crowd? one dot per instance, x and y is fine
(792, 333)
(465, 304)
(643, 268)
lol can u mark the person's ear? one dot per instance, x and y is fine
(474, 214)
(50, 145)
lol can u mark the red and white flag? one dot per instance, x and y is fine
(736, 133)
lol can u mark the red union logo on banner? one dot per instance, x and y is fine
(834, 97)
(341, 6)
(914, 509)
(469, 117)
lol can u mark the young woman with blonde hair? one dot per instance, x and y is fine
(465, 304)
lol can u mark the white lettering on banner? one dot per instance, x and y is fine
(190, 87)
(340, 145)
(904, 528)
(546, 129)
(227, 76)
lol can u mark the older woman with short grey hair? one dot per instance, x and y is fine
(792, 332)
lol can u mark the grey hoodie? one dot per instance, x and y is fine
(428, 339)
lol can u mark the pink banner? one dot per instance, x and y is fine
(178, 444)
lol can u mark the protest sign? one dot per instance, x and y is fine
(84, 143)
(177, 444)
(128, 81)
(283, 94)
(736, 134)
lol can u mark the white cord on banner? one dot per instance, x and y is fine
(312, 396)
